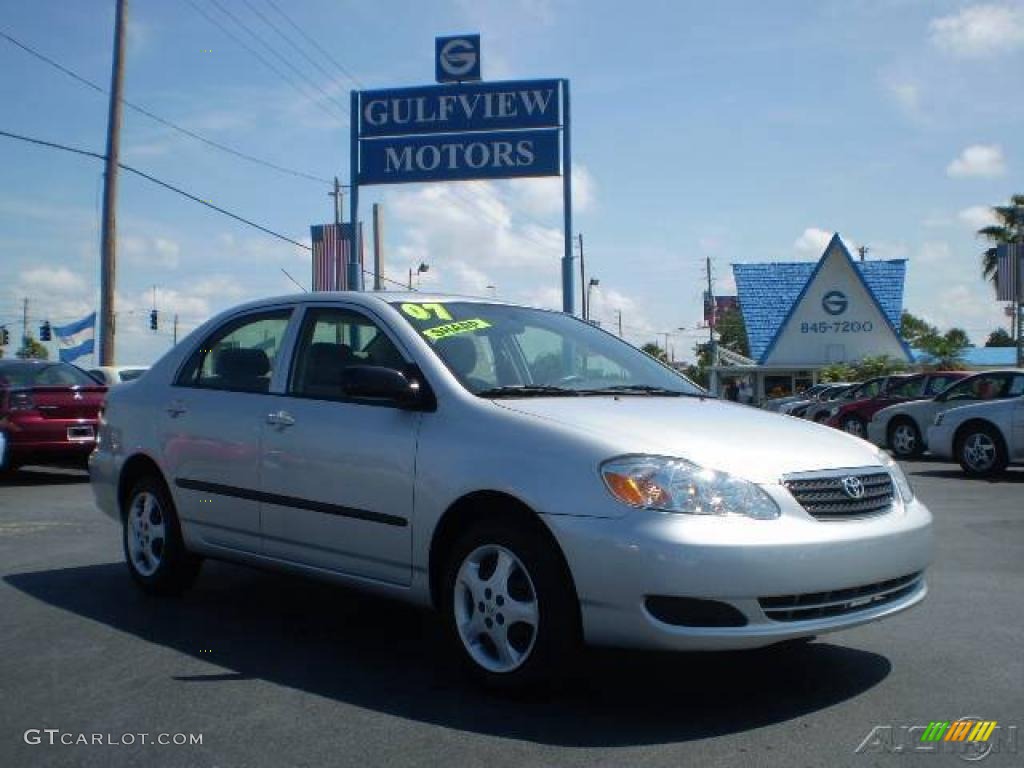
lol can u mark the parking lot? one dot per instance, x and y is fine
(278, 671)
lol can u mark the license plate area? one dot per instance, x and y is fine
(81, 434)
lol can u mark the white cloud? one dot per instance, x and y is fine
(984, 160)
(149, 251)
(977, 216)
(935, 252)
(543, 197)
(813, 241)
(907, 96)
(980, 30)
(61, 282)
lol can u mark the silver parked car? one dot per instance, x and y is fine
(536, 479)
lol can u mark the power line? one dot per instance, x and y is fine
(302, 76)
(316, 45)
(163, 121)
(302, 51)
(160, 182)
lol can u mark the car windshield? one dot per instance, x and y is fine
(15, 374)
(498, 350)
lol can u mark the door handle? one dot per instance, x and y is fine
(176, 408)
(280, 419)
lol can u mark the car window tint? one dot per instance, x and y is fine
(1016, 387)
(240, 356)
(938, 384)
(332, 340)
(909, 388)
(62, 375)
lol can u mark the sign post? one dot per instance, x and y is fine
(463, 129)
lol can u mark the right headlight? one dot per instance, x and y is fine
(676, 485)
(898, 476)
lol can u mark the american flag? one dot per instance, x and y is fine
(330, 256)
(1008, 264)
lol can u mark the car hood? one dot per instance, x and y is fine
(748, 442)
(909, 408)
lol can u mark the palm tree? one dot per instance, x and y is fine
(1009, 229)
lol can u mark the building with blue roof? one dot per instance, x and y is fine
(803, 316)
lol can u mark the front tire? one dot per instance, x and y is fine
(153, 545)
(981, 451)
(509, 607)
(905, 439)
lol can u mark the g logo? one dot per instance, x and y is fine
(458, 57)
(834, 302)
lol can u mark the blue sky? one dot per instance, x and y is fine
(743, 131)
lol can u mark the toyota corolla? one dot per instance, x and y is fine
(538, 481)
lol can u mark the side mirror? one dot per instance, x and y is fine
(382, 383)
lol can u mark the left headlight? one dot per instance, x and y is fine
(676, 485)
(898, 476)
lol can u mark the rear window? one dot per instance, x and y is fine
(44, 375)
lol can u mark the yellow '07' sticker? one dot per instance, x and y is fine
(452, 329)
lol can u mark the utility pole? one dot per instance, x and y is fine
(712, 348)
(378, 247)
(108, 255)
(863, 251)
(584, 304)
(24, 323)
(175, 328)
(338, 196)
(618, 312)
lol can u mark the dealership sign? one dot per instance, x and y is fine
(463, 129)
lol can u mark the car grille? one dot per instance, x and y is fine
(838, 602)
(825, 498)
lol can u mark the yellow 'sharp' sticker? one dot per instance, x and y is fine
(453, 329)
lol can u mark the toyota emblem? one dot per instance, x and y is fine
(853, 487)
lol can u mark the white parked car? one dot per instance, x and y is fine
(536, 479)
(117, 374)
(984, 438)
(904, 427)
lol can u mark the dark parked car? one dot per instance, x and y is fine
(853, 417)
(48, 413)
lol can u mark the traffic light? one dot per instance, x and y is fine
(45, 333)
(5, 337)
(152, 320)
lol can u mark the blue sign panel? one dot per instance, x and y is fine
(497, 106)
(457, 59)
(494, 155)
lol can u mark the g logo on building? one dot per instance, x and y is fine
(457, 58)
(835, 302)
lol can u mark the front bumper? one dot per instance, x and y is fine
(940, 441)
(877, 433)
(617, 564)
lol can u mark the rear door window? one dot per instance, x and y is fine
(241, 356)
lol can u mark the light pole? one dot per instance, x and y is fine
(423, 267)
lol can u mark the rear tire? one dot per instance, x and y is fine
(981, 451)
(854, 425)
(509, 608)
(905, 439)
(153, 546)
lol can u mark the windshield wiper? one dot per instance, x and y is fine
(640, 389)
(527, 390)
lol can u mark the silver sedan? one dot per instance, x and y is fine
(535, 479)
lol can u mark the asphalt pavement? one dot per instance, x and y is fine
(271, 670)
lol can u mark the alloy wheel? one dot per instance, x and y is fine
(496, 609)
(147, 533)
(904, 439)
(979, 451)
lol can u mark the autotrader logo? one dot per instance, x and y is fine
(834, 302)
(969, 738)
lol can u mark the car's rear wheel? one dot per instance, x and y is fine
(981, 451)
(855, 425)
(905, 439)
(153, 545)
(510, 609)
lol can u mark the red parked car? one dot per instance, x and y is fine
(853, 417)
(48, 413)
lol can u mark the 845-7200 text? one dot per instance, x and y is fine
(838, 326)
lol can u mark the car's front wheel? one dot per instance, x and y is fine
(981, 451)
(153, 545)
(510, 608)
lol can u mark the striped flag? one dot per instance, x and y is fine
(1008, 266)
(77, 338)
(330, 256)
